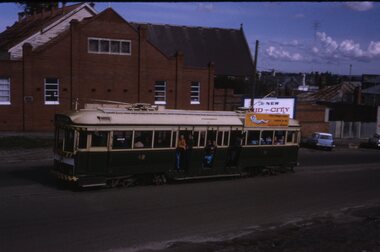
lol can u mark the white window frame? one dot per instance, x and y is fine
(198, 96)
(159, 84)
(110, 42)
(9, 90)
(57, 90)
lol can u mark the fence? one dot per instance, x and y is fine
(341, 129)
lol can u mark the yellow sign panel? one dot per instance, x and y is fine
(266, 120)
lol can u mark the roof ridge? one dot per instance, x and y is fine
(188, 26)
(33, 23)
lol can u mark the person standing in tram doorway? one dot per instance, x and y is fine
(180, 153)
(209, 154)
(233, 151)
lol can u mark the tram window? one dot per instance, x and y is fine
(195, 138)
(69, 140)
(253, 137)
(99, 139)
(211, 135)
(237, 138)
(266, 137)
(220, 138)
(225, 140)
(122, 140)
(295, 139)
(279, 137)
(82, 140)
(174, 139)
(202, 139)
(143, 139)
(291, 136)
(162, 139)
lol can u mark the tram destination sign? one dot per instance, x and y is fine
(265, 120)
(272, 105)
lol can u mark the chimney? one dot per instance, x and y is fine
(303, 79)
(358, 95)
(143, 30)
(63, 7)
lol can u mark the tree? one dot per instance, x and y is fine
(30, 7)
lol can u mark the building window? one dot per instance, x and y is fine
(160, 92)
(5, 91)
(51, 91)
(104, 46)
(109, 46)
(195, 91)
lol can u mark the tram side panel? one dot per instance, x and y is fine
(140, 162)
(91, 163)
(269, 156)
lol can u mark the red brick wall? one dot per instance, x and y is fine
(311, 117)
(225, 99)
(98, 76)
(10, 116)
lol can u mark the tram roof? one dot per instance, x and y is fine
(111, 116)
(123, 116)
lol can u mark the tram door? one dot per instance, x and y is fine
(185, 145)
(237, 139)
(209, 156)
(98, 158)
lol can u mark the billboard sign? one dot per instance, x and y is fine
(266, 120)
(273, 106)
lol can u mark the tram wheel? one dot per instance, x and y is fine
(114, 183)
(159, 179)
(128, 182)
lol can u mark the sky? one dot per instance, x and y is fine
(293, 36)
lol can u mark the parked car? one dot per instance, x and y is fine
(321, 140)
(374, 141)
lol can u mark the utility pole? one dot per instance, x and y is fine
(254, 71)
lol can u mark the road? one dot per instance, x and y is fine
(36, 215)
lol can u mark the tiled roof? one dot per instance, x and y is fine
(227, 48)
(30, 25)
(375, 90)
(331, 93)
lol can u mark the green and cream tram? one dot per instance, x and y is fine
(112, 145)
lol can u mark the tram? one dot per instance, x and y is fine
(121, 144)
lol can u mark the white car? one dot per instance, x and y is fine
(321, 140)
(374, 140)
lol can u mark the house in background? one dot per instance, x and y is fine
(370, 80)
(49, 59)
(346, 114)
(371, 96)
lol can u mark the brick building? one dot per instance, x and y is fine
(49, 59)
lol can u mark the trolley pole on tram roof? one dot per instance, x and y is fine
(254, 71)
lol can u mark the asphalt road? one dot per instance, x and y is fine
(36, 215)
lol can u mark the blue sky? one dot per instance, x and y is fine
(293, 36)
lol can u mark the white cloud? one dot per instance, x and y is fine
(205, 7)
(347, 49)
(374, 49)
(350, 48)
(281, 54)
(328, 43)
(359, 6)
(327, 50)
